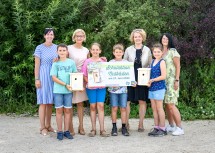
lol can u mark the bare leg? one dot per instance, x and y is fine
(67, 118)
(155, 114)
(176, 114)
(93, 115)
(100, 107)
(80, 117)
(71, 129)
(161, 113)
(123, 115)
(142, 112)
(42, 114)
(128, 109)
(169, 114)
(48, 117)
(114, 114)
(59, 112)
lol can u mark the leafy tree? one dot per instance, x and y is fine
(108, 22)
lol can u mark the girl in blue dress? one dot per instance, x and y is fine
(44, 55)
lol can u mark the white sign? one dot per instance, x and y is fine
(101, 74)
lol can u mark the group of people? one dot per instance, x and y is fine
(54, 63)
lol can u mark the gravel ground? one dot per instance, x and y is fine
(21, 134)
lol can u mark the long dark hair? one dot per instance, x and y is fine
(170, 44)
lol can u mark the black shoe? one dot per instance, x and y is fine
(68, 135)
(153, 132)
(114, 131)
(160, 133)
(125, 131)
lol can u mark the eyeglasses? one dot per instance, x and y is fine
(79, 36)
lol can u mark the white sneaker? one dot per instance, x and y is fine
(178, 131)
(170, 129)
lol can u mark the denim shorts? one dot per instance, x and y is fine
(118, 99)
(63, 100)
(157, 95)
(96, 95)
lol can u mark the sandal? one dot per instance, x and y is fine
(104, 134)
(140, 129)
(50, 129)
(72, 132)
(92, 133)
(43, 131)
(81, 131)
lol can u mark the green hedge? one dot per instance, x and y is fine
(105, 21)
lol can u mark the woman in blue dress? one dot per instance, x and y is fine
(44, 55)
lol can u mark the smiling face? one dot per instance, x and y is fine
(95, 51)
(165, 41)
(49, 37)
(157, 53)
(79, 37)
(118, 54)
(138, 39)
(62, 52)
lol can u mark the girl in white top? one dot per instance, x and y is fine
(79, 54)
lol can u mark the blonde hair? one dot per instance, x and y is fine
(140, 31)
(157, 45)
(76, 31)
(95, 43)
(118, 46)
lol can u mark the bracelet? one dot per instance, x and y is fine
(36, 79)
(65, 85)
(176, 80)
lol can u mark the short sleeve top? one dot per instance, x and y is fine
(170, 67)
(85, 70)
(79, 55)
(62, 70)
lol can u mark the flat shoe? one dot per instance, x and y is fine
(51, 129)
(72, 132)
(81, 131)
(140, 129)
(43, 131)
(104, 134)
(92, 133)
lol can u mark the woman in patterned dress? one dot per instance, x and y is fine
(79, 54)
(44, 55)
(142, 57)
(172, 58)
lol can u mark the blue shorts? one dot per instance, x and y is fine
(96, 95)
(63, 100)
(157, 95)
(119, 99)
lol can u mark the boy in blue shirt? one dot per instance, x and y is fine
(60, 73)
